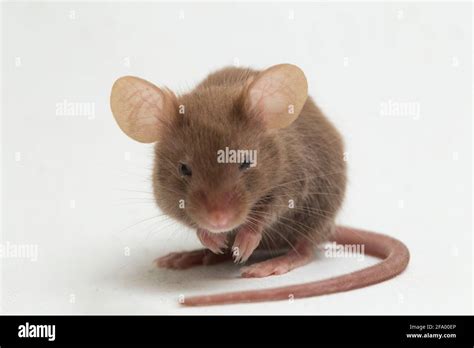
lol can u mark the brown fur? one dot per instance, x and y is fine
(303, 162)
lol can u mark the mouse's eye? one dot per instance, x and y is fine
(184, 170)
(245, 165)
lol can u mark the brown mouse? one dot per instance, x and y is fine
(249, 161)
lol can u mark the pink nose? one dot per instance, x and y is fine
(218, 218)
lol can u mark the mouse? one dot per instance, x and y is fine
(248, 161)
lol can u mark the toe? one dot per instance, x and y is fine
(164, 261)
(264, 269)
(216, 242)
(245, 243)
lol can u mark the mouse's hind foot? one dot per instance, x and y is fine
(297, 257)
(187, 259)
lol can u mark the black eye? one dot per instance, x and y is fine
(184, 170)
(245, 165)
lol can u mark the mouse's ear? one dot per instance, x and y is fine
(139, 107)
(277, 95)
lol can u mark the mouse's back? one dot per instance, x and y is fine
(311, 170)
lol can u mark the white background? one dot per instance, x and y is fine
(79, 188)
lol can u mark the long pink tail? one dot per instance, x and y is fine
(395, 257)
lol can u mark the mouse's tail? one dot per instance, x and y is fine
(395, 257)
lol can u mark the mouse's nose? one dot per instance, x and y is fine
(219, 218)
(217, 209)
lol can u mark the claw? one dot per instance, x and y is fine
(246, 241)
(215, 242)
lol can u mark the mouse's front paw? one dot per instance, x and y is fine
(246, 241)
(215, 242)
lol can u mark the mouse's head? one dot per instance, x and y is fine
(217, 152)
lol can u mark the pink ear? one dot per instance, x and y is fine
(139, 106)
(278, 95)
